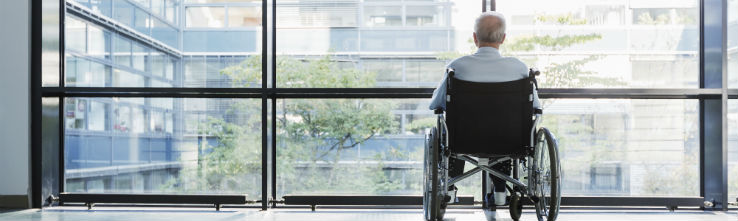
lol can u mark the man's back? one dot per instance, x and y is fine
(486, 65)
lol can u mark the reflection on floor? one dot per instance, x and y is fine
(322, 214)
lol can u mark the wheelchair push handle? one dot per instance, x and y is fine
(534, 72)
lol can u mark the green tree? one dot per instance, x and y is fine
(313, 134)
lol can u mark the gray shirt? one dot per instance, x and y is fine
(487, 65)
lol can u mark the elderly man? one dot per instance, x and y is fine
(486, 65)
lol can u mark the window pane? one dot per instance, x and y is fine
(141, 23)
(626, 147)
(219, 152)
(122, 78)
(50, 54)
(608, 147)
(426, 16)
(136, 62)
(81, 72)
(628, 44)
(98, 42)
(205, 17)
(376, 51)
(244, 16)
(76, 32)
(320, 152)
(379, 16)
(123, 12)
(315, 14)
(170, 10)
(732, 147)
(143, 3)
(732, 44)
(139, 57)
(122, 51)
(165, 33)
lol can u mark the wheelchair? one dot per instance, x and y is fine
(493, 127)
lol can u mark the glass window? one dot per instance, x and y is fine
(81, 72)
(143, 3)
(244, 16)
(123, 78)
(165, 33)
(157, 122)
(123, 12)
(140, 54)
(379, 16)
(732, 147)
(103, 7)
(732, 44)
(76, 32)
(381, 156)
(224, 157)
(97, 116)
(50, 41)
(77, 71)
(141, 23)
(626, 147)
(98, 42)
(425, 15)
(157, 7)
(122, 51)
(387, 71)
(579, 44)
(75, 111)
(170, 10)
(205, 17)
(317, 14)
(157, 63)
(389, 57)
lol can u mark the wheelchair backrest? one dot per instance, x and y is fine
(489, 119)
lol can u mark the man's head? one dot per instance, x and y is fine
(489, 30)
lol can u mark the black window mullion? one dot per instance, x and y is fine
(264, 123)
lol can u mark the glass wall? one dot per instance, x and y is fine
(606, 44)
(626, 147)
(162, 145)
(732, 148)
(367, 43)
(732, 103)
(354, 146)
(609, 147)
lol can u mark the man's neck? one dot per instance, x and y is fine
(496, 46)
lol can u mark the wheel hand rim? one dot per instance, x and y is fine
(543, 175)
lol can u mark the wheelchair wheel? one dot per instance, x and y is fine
(545, 176)
(433, 207)
(516, 207)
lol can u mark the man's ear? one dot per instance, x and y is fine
(503, 38)
(475, 39)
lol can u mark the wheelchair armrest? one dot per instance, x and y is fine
(438, 111)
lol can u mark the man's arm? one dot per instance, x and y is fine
(439, 95)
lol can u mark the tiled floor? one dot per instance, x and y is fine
(187, 214)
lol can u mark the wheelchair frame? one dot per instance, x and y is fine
(439, 182)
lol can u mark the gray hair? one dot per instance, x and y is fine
(490, 32)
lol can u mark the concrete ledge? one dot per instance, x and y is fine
(14, 201)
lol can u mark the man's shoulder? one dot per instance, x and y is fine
(515, 61)
(459, 60)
